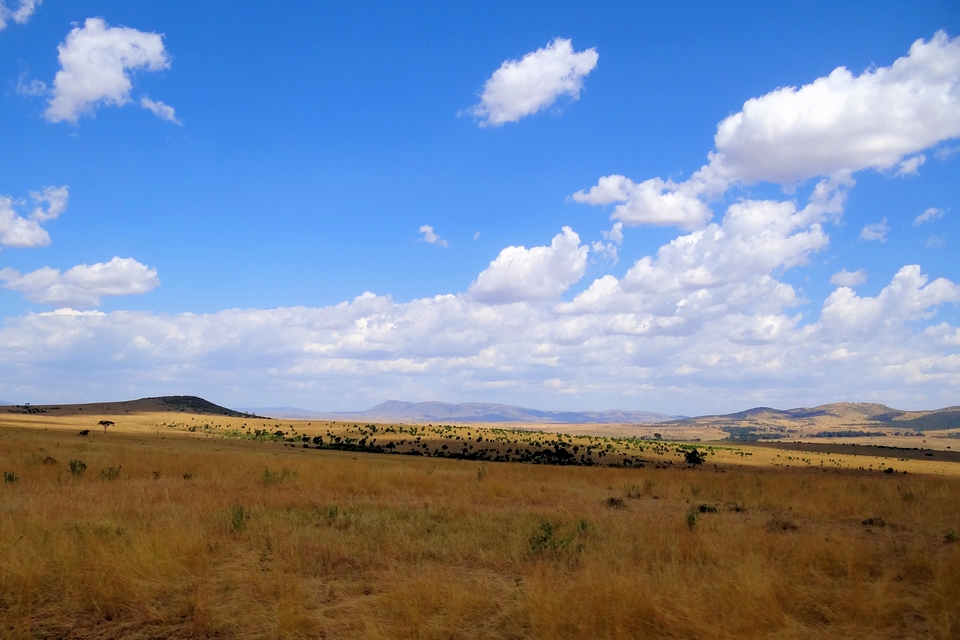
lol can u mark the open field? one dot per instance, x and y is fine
(195, 534)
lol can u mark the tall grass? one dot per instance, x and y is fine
(362, 545)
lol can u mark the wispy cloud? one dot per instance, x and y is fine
(431, 237)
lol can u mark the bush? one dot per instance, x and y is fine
(110, 473)
(546, 538)
(616, 503)
(238, 517)
(77, 467)
(781, 523)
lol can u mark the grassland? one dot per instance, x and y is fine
(198, 526)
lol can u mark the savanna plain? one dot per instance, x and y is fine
(196, 526)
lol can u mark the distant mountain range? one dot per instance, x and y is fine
(467, 412)
(839, 414)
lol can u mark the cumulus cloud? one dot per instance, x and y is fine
(26, 232)
(844, 278)
(907, 297)
(430, 236)
(56, 200)
(846, 121)
(654, 202)
(159, 109)
(95, 61)
(539, 273)
(836, 125)
(17, 231)
(876, 231)
(83, 285)
(523, 87)
(930, 214)
(649, 355)
(20, 15)
(610, 248)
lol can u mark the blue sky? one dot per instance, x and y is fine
(310, 144)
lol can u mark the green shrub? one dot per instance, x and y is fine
(110, 473)
(77, 467)
(616, 503)
(238, 517)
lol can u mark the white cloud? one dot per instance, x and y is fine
(844, 278)
(654, 202)
(930, 214)
(18, 231)
(876, 231)
(20, 15)
(95, 60)
(520, 88)
(82, 285)
(907, 297)
(675, 353)
(56, 199)
(31, 87)
(834, 126)
(944, 153)
(159, 109)
(911, 166)
(430, 237)
(615, 234)
(539, 273)
(846, 122)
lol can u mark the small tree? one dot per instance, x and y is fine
(694, 458)
(105, 424)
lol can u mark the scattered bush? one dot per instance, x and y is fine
(110, 473)
(77, 467)
(238, 517)
(616, 503)
(546, 538)
(781, 523)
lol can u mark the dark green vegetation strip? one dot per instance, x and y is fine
(864, 450)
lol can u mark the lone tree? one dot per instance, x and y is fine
(694, 458)
(105, 424)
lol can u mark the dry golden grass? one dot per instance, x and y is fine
(204, 537)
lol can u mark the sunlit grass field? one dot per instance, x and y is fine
(161, 533)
